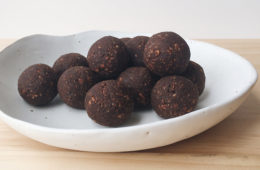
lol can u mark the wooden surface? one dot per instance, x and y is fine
(232, 144)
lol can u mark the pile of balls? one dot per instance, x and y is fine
(118, 76)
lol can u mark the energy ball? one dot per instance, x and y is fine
(166, 53)
(108, 104)
(37, 84)
(125, 39)
(108, 57)
(139, 82)
(174, 96)
(74, 84)
(67, 61)
(135, 47)
(195, 73)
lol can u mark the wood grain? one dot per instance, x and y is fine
(232, 144)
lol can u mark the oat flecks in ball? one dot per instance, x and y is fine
(108, 57)
(67, 61)
(195, 73)
(174, 96)
(139, 82)
(125, 39)
(37, 84)
(108, 104)
(166, 53)
(135, 47)
(73, 85)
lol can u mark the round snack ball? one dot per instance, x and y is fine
(135, 47)
(108, 104)
(37, 84)
(73, 85)
(166, 53)
(108, 57)
(195, 73)
(125, 39)
(67, 61)
(139, 82)
(174, 96)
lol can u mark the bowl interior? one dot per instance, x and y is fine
(227, 74)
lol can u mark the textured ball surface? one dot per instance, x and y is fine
(67, 61)
(108, 104)
(195, 73)
(174, 96)
(74, 84)
(139, 82)
(166, 53)
(135, 47)
(37, 84)
(108, 57)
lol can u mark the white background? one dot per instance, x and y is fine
(190, 18)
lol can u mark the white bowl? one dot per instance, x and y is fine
(229, 78)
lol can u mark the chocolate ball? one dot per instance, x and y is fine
(166, 53)
(73, 85)
(108, 57)
(37, 84)
(108, 104)
(125, 39)
(174, 96)
(135, 47)
(67, 61)
(195, 73)
(139, 82)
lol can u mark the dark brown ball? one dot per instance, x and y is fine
(108, 57)
(73, 85)
(125, 39)
(174, 96)
(108, 104)
(195, 73)
(166, 53)
(135, 47)
(37, 84)
(67, 61)
(139, 82)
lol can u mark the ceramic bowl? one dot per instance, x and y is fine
(229, 79)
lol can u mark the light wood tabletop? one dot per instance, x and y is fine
(232, 144)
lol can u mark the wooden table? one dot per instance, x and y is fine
(232, 144)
